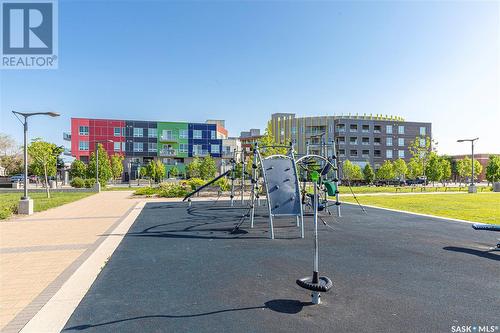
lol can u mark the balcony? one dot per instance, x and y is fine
(168, 152)
(66, 136)
(202, 152)
(67, 151)
(168, 138)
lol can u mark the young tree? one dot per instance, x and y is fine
(161, 171)
(400, 168)
(434, 170)
(351, 171)
(8, 145)
(43, 160)
(193, 168)
(268, 141)
(464, 167)
(368, 174)
(78, 169)
(105, 172)
(117, 166)
(446, 167)
(174, 172)
(151, 171)
(421, 148)
(386, 171)
(208, 168)
(414, 169)
(493, 169)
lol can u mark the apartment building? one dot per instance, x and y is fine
(174, 143)
(360, 139)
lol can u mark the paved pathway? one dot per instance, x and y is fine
(40, 252)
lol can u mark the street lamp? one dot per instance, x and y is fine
(472, 187)
(97, 184)
(26, 204)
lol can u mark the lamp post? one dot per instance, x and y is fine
(97, 184)
(26, 204)
(472, 186)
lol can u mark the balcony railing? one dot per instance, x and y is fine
(168, 152)
(365, 143)
(203, 152)
(168, 138)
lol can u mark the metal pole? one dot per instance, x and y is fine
(97, 164)
(25, 197)
(243, 177)
(316, 255)
(472, 162)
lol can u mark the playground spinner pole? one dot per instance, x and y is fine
(242, 176)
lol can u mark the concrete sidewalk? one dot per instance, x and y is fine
(40, 252)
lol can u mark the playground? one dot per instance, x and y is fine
(180, 270)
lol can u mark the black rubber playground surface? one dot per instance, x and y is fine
(184, 272)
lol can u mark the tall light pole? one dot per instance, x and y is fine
(26, 204)
(472, 187)
(97, 184)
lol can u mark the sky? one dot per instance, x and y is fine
(242, 61)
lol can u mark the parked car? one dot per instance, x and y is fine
(418, 181)
(17, 178)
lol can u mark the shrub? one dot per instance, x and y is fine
(90, 182)
(7, 211)
(77, 182)
(223, 184)
(194, 183)
(146, 191)
(169, 190)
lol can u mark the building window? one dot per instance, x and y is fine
(401, 153)
(117, 131)
(152, 132)
(294, 130)
(365, 153)
(183, 148)
(388, 142)
(353, 128)
(183, 134)
(84, 130)
(422, 142)
(341, 140)
(365, 141)
(353, 140)
(401, 142)
(388, 153)
(124, 145)
(117, 146)
(197, 134)
(365, 128)
(214, 149)
(213, 135)
(197, 150)
(138, 146)
(341, 152)
(152, 147)
(388, 129)
(167, 135)
(138, 132)
(376, 141)
(124, 133)
(422, 131)
(376, 153)
(353, 152)
(341, 127)
(376, 129)
(401, 129)
(83, 145)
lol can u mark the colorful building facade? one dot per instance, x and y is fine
(173, 143)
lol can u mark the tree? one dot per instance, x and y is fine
(433, 169)
(420, 148)
(151, 171)
(446, 167)
(400, 168)
(8, 145)
(78, 169)
(43, 160)
(117, 166)
(174, 172)
(464, 167)
(351, 171)
(268, 141)
(493, 169)
(160, 171)
(105, 172)
(386, 171)
(414, 169)
(193, 168)
(208, 168)
(368, 174)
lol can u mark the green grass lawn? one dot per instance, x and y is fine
(481, 207)
(8, 201)
(406, 189)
